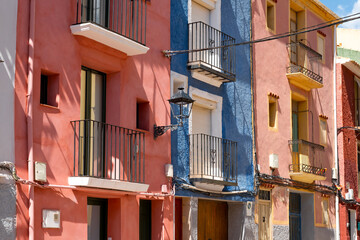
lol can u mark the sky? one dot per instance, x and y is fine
(344, 8)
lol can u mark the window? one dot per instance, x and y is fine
(325, 210)
(264, 195)
(270, 15)
(97, 209)
(95, 11)
(49, 89)
(323, 131)
(357, 99)
(358, 162)
(145, 220)
(321, 46)
(142, 115)
(272, 112)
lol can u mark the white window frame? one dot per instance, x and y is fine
(207, 100)
(177, 78)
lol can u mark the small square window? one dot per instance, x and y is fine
(142, 115)
(49, 89)
(270, 15)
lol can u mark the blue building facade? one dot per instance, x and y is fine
(212, 154)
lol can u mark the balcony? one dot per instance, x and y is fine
(108, 156)
(212, 162)
(305, 67)
(305, 156)
(213, 66)
(119, 24)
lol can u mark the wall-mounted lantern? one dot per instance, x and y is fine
(184, 105)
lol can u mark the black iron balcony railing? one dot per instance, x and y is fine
(125, 17)
(213, 158)
(305, 60)
(305, 156)
(221, 59)
(106, 151)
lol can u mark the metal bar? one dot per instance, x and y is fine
(124, 163)
(113, 17)
(137, 19)
(74, 128)
(111, 152)
(141, 21)
(143, 137)
(145, 24)
(92, 145)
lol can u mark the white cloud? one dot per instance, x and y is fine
(355, 24)
(340, 8)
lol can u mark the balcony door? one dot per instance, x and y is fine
(300, 152)
(97, 209)
(95, 11)
(295, 216)
(207, 151)
(92, 127)
(204, 36)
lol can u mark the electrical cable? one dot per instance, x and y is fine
(169, 53)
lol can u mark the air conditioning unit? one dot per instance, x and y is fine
(274, 161)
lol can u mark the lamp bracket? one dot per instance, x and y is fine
(160, 130)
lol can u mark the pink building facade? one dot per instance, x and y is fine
(294, 123)
(90, 83)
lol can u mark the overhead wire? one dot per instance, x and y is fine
(319, 26)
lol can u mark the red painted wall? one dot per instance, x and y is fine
(347, 142)
(143, 77)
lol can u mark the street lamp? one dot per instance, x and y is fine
(184, 103)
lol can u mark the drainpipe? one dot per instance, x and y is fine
(336, 163)
(29, 117)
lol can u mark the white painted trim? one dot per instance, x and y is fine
(176, 77)
(215, 11)
(109, 38)
(209, 4)
(206, 79)
(107, 184)
(216, 113)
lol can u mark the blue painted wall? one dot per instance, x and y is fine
(236, 111)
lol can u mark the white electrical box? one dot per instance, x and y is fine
(163, 188)
(334, 174)
(40, 172)
(249, 209)
(169, 170)
(51, 218)
(274, 161)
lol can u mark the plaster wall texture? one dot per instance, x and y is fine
(348, 38)
(128, 79)
(270, 77)
(241, 226)
(324, 233)
(236, 104)
(8, 24)
(7, 206)
(281, 232)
